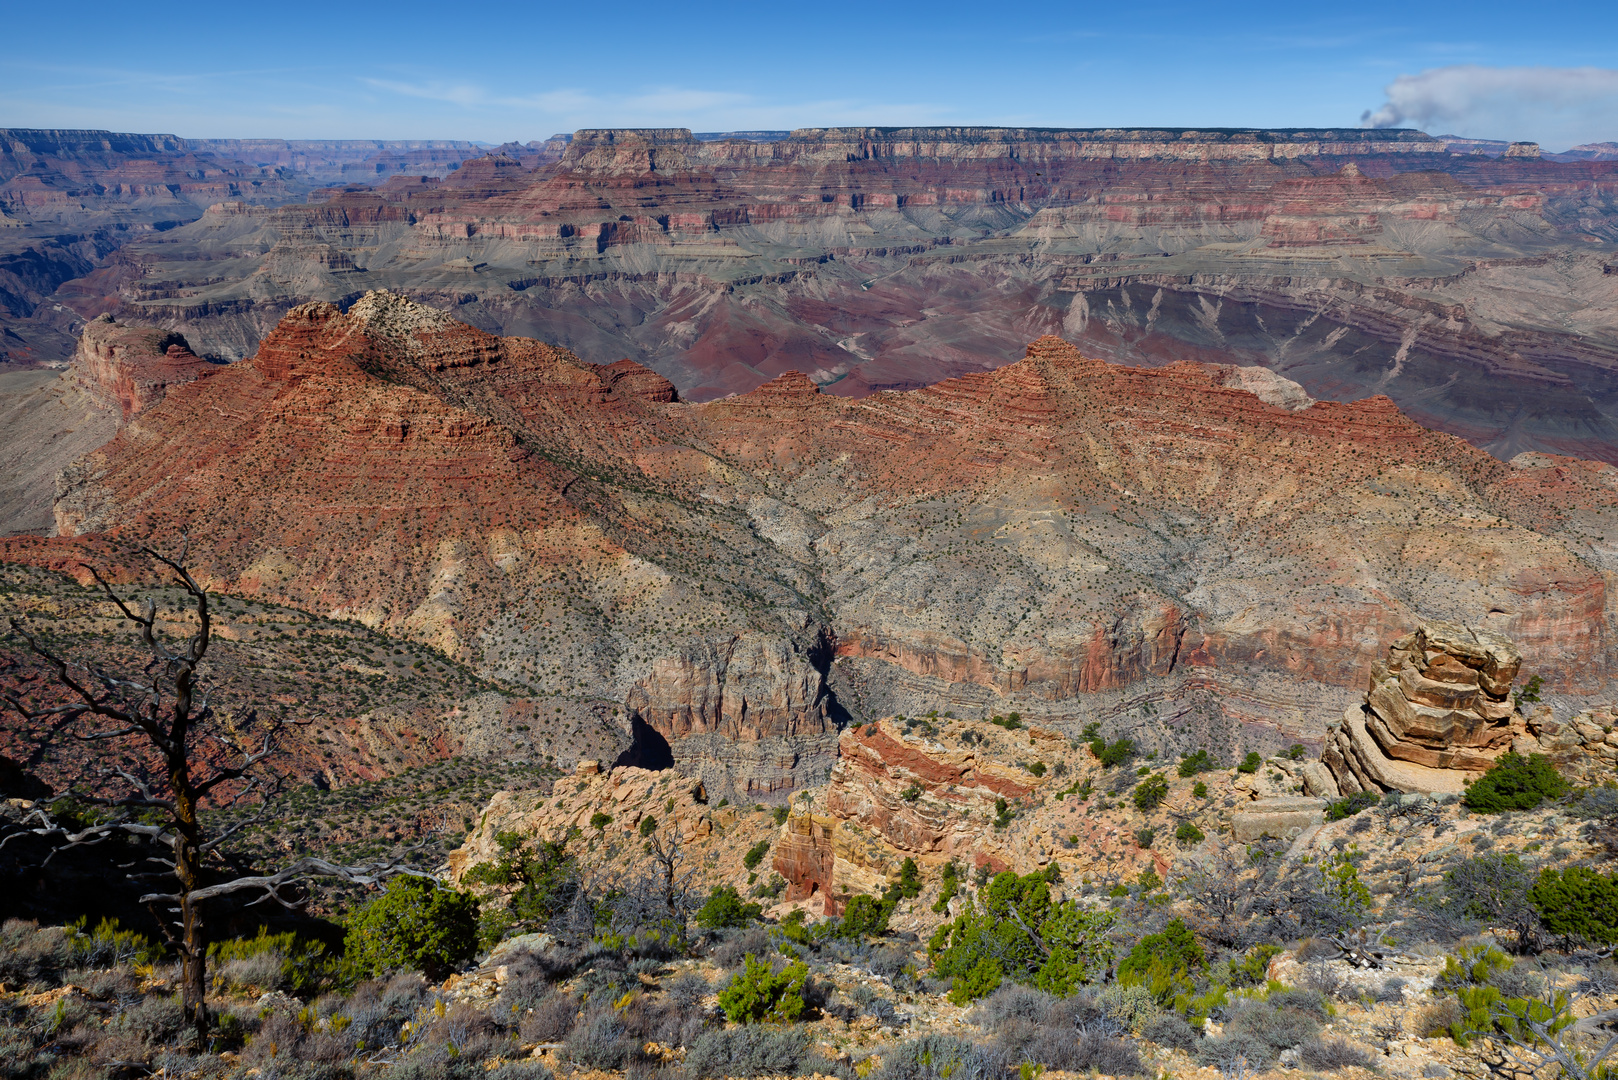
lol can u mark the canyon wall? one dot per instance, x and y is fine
(1161, 551)
(1352, 262)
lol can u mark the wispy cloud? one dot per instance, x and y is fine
(1555, 106)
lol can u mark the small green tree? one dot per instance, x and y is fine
(1175, 946)
(414, 924)
(909, 883)
(1021, 934)
(1198, 762)
(725, 909)
(863, 916)
(755, 854)
(949, 885)
(1150, 793)
(1515, 783)
(756, 993)
(1110, 754)
(1250, 763)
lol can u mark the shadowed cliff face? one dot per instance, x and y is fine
(1161, 550)
(1477, 293)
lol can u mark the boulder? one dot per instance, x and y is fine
(1281, 818)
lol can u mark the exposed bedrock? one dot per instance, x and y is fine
(1191, 554)
(1472, 291)
(128, 369)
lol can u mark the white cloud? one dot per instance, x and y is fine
(1557, 107)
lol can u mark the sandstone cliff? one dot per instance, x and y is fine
(128, 369)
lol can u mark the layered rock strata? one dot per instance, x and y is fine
(128, 369)
(1438, 710)
(1355, 263)
(1165, 552)
(946, 791)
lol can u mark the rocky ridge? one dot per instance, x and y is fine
(875, 259)
(1159, 550)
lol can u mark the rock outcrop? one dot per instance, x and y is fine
(128, 369)
(1437, 711)
(941, 791)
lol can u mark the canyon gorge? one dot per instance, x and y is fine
(1475, 290)
(729, 441)
(1193, 555)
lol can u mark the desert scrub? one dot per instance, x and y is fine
(725, 909)
(747, 1051)
(1150, 793)
(1577, 904)
(415, 924)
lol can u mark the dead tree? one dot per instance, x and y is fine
(164, 761)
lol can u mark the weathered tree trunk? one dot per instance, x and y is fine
(188, 869)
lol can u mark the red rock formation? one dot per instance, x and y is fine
(1060, 533)
(130, 368)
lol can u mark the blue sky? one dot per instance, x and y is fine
(524, 71)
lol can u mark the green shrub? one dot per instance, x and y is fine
(545, 878)
(1003, 813)
(988, 944)
(1147, 881)
(1529, 694)
(948, 887)
(863, 916)
(756, 993)
(1577, 903)
(1175, 946)
(1338, 809)
(725, 909)
(1296, 751)
(1110, 754)
(1250, 763)
(109, 945)
(1200, 791)
(1199, 762)
(1037, 768)
(1472, 965)
(1150, 793)
(781, 814)
(600, 820)
(1252, 969)
(1342, 888)
(755, 854)
(648, 825)
(1144, 837)
(909, 884)
(415, 924)
(1188, 834)
(1515, 783)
